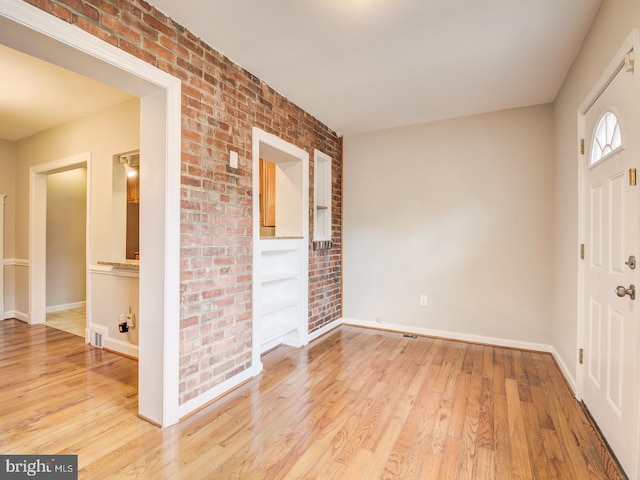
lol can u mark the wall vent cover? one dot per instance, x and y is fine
(96, 339)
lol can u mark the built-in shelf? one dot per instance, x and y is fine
(282, 311)
(277, 305)
(281, 213)
(321, 197)
(276, 277)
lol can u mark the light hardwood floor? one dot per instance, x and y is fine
(356, 404)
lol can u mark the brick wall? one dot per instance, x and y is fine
(220, 103)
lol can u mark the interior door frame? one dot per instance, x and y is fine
(632, 42)
(38, 233)
(35, 32)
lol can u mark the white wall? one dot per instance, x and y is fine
(611, 27)
(66, 237)
(8, 153)
(109, 132)
(460, 210)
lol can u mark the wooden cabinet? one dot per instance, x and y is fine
(267, 198)
(133, 189)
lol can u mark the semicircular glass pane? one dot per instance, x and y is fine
(606, 137)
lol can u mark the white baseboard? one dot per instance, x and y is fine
(217, 391)
(110, 343)
(24, 317)
(566, 372)
(499, 342)
(325, 329)
(66, 306)
(119, 346)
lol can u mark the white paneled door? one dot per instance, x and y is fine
(611, 206)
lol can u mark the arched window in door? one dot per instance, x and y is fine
(606, 138)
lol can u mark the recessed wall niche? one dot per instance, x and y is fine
(322, 200)
(281, 186)
(126, 206)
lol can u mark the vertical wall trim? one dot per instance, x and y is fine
(2, 204)
(341, 227)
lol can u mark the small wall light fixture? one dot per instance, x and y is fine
(126, 161)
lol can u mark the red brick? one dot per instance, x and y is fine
(160, 25)
(95, 30)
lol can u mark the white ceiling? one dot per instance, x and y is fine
(36, 96)
(356, 65)
(361, 65)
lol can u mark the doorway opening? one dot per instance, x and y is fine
(61, 200)
(32, 31)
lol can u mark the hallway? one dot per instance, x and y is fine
(71, 321)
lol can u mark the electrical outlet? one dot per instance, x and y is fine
(423, 300)
(379, 320)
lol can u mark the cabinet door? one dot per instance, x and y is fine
(267, 193)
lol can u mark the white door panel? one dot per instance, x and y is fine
(596, 227)
(594, 336)
(612, 227)
(616, 207)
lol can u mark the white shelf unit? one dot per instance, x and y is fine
(321, 196)
(283, 296)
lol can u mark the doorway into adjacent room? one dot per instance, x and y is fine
(35, 32)
(66, 244)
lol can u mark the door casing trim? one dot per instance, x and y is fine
(632, 42)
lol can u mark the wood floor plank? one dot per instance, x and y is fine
(412, 442)
(502, 437)
(469, 441)
(538, 458)
(449, 465)
(498, 371)
(517, 432)
(356, 404)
